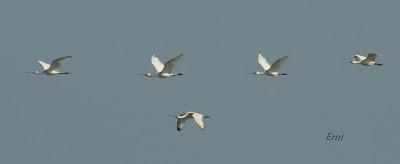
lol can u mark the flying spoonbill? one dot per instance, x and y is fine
(271, 70)
(197, 117)
(163, 70)
(52, 69)
(370, 60)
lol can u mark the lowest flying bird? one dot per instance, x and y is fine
(197, 117)
(163, 70)
(52, 69)
(268, 69)
(370, 60)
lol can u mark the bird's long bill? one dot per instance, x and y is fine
(172, 116)
(33, 72)
(207, 117)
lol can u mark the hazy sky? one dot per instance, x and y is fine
(104, 113)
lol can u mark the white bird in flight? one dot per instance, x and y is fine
(197, 117)
(52, 69)
(268, 69)
(370, 60)
(163, 70)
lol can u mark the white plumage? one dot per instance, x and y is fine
(197, 117)
(268, 69)
(158, 65)
(163, 70)
(370, 60)
(54, 68)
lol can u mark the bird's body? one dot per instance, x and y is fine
(163, 70)
(53, 68)
(271, 70)
(197, 117)
(370, 60)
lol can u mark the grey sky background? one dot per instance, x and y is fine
(103, 113)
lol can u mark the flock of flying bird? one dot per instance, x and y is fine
(164, 70)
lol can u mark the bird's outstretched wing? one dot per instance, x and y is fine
(179, 123)
(55, 65)
(359, 58)
(158, 65)
(263, 62)
(169, 65)
(275, 67)
(371, 57)
(198, 118)
(44, 65)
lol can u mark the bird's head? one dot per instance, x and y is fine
(145, 74)
(257, 73)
